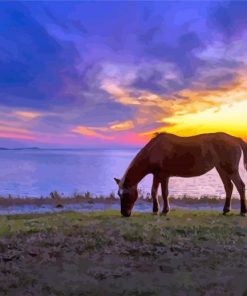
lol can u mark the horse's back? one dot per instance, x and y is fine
(218, 140)
(195, 155)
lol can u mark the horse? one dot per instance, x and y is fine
(167, 155)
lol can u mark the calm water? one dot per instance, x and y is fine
(38, 172)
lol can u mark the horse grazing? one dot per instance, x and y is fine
(168, 155)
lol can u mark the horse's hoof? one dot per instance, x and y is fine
(225, 211)
(164, 213)
(243, 214)
(156, 213)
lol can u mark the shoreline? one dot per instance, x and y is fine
(56, 198)
(56, 203)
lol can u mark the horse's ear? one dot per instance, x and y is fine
(117, 180)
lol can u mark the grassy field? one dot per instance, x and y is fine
(185, 253)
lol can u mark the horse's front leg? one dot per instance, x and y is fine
(155, 186)
(164, 189)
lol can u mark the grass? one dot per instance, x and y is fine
(101, 253)
(56, 199)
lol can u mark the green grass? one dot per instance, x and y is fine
(101, 253)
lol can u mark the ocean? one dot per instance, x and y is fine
(35, 173)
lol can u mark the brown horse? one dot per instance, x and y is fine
(168, 155)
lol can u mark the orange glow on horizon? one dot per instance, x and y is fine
(190, 112)
(15, 133)
(228, 118)
(18, 136)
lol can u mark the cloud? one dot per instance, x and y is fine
(14, 133)
(27, 114)
(36, 64)
(122, 126)
(39, 73)
(89, 132)
(229, 18)
(71, 75)
(158, 78)
(179, 48)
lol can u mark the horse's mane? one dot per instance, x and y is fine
(143, 151)
(158, 134)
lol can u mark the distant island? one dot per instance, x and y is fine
(29, 148)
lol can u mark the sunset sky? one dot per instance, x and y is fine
(110, 74)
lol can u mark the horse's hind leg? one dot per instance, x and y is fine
(228, 188)
(236, 179)
(154, 191)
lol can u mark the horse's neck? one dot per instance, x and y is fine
(136, 172)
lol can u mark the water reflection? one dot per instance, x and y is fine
(38, 172)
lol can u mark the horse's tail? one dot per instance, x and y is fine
(244, 149)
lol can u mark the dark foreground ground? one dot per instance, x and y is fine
(185, 253)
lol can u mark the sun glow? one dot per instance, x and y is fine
(231, 118)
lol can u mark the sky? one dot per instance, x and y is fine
(111, 74)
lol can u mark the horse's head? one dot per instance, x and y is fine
(128, 195)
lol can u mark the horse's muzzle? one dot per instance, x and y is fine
(125, 214)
